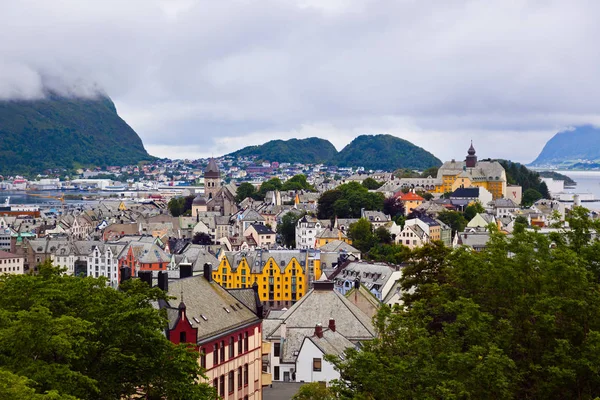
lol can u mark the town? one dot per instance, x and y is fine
(268, 267)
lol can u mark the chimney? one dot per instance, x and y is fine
(319, 331)
(125, 274)
(208, 272)
(146, 276)
(185, 271)
(163, 280)
(357, 283)
(332, 324)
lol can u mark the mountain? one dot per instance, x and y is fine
(385, 152)
(569, 146)
(310, 151)
(60, 132)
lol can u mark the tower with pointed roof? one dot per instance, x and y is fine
(471, 160)
(212, 179)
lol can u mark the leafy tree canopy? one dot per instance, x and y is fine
(530, 196)
(371, 184)
(71, 338)
(347, 200)
(517, 320)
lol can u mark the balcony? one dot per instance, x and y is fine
(267, 379)
(266, 348)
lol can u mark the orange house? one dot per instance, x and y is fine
(410, 200)
(143, 257)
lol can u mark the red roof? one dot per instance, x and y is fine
(410, 196)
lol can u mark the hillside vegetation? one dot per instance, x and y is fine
(569, 146)
(376, 152)
(58, 132)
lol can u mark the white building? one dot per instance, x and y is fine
(307, 229)
(11, 263)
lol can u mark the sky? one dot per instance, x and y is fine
(204, 78)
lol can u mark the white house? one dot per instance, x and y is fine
(11, 263)
(311, 365)
(306, 232)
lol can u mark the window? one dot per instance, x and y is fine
(231, 348)
(222, 350)
(231, 383)
(216, 384)
(239, 378)
(316, 364)
(276, 373)
(216, 354)
(202, 358)
(276, 349)
(240, 351)
(245, 374)
(182, 337)
(245, 342)
(222, 386)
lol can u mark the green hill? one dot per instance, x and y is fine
(310, 151)
(569, 146)
(59, 132)
(385, 152)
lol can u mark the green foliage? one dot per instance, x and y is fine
(14, 387)
(390, 253)
(518, 320)
(518, 174)
(310, 151)
(361, 233)
(430, 172)
(268, 186)
(530, 196)
(406, 173)
(180, 205)
(245, 190)
(393, 207)
(59, 132)
(72, 336)
(347, 200)
(297, 182)
(385, 152)
(314, 391)
(454, 220)
(472, 210)
(371, 184)
(287, 228)
(557, 176)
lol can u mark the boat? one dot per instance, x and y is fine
(115, 188)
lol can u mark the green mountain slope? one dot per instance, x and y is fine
(385, 152)
(568, 146)
(58, 132)
(311, 150)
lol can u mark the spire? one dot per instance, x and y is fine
(471, 160)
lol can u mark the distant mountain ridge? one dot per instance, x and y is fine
(385, 152)
(569, 146)
(60, 132)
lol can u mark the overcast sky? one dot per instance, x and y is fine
(201, 78)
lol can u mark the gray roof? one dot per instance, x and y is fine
(319, 306)
(209, 307)
(331, 342)
(338, 245)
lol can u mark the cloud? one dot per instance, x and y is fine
(208, 77)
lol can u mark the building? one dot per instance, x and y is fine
(472, 194)
(225, 330)
(376, 218)
(410, 200)
(143, 256)
(306, 232)
(331, 234)
(282, 276)
(11, 263)
(377, 278)
(471, 172)
(323, 308)
(262, 235)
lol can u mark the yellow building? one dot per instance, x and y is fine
(328, 235)
(282, 276)
(471, 172)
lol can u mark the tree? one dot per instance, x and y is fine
(473, 209)
(454, 220)
(347, 201)
(297, 182)
(287, 229)
(361, 233)
(268, 186)
(180, 205)
(371, 184)
(14, 387)
(202, 238)
(73, 336)
(430, 172)
(393, 207)
(314, 391)
(383, 235)
(245, 190)
(518, 319)
(425, 195)
(530, 196)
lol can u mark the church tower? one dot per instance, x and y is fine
(212, 179)
(471, 160)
